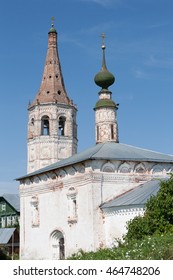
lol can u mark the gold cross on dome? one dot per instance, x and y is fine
(52, 19)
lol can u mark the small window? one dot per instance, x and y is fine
(3, 207)
(112, 131)
(9, 221)
(14, 220)
(32, 121)
(97, 133)
(3, 222)
(45, 125)
(74, 208)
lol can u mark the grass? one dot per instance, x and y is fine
(156, 247)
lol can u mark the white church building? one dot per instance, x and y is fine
(71, 201)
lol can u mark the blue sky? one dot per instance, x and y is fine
(139, 52)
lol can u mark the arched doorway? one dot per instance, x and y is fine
(57, 245)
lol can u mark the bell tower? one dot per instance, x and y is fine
(106, 127)
(52, 127)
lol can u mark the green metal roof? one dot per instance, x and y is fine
(108, 151)
(52, 30)
(13, 200)
(105, 103)
(136, 197)
(5, 235)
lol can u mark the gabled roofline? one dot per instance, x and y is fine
(5, 197)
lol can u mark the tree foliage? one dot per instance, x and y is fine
(158, 217)
(156, 247)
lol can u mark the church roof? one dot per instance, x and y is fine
(108, 151)
(136, 197)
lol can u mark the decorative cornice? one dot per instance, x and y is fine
(89, 176)
(40, 188)
(123, 211)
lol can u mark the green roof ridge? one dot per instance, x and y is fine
(105, 103)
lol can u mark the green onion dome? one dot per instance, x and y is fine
(104, 78)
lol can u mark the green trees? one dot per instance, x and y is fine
(158, 217)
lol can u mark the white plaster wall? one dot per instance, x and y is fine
(115, 223)
(53, 213)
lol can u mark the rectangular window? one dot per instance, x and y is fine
(9, 221)
(14, 220)
(112, 131)
(3, 223)
(97, 133)
(74, 208)
(3, 207)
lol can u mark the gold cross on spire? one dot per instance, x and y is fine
(103, 39)
(52, 19)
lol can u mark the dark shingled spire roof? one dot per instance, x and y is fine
(52, 88)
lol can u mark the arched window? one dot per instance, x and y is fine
(61, 126)
(32, 121)
(45, 125)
